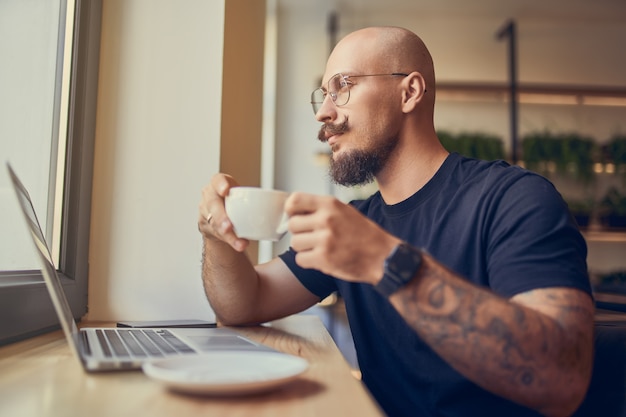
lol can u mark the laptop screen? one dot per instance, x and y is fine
(48, 269)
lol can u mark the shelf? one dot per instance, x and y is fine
(533, 94)
(605, 235)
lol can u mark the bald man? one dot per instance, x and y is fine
(465, 281)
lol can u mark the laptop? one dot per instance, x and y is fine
(108, 349)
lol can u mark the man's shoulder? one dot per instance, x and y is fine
(495, 172)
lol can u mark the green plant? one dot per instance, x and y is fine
(613, 203)
(539, 148)
(617, 277)
(614, 152)
(577, 155)
(616, 149)
(581, 210)
(569, 153)
(613, 209)
(473, 144)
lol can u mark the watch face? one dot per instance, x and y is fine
(400, 268)
(404, 262)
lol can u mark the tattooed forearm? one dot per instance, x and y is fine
(525, 349)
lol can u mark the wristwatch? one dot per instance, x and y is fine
(400, 268)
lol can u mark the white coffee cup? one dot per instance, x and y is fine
(257, 213)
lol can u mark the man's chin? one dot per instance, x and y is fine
(347, 178)
(345, 182)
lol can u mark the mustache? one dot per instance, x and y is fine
(328, 130)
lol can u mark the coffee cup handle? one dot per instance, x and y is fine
(282, 227)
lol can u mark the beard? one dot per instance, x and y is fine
(358, 166)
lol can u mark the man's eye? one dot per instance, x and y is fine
(337, 83)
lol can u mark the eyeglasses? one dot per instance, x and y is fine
(339, 89)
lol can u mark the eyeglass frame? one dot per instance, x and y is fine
(333, 95)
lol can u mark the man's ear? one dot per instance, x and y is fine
(413, 92)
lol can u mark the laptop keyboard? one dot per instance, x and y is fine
(140, 343)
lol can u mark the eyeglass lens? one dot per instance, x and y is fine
(337, 89)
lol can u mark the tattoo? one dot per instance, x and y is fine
(436, 298)
(514, 347)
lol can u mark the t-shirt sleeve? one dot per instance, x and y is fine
(315, 281)
(535, 242)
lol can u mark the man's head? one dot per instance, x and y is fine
(387, 78)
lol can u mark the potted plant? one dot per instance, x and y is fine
(611, 282)
(615, 152)
(482, 145)
(613, 209)
(569, 154)
(577, 154)
(581, 210)
(539, 151)
(473, 144)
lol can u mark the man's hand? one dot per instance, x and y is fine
(213, 221)
(337, 239)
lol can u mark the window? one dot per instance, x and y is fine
(53, 133)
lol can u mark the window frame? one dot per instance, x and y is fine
(25, 305)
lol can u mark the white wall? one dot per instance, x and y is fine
(157, 144)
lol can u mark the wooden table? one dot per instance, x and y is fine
(40, 377)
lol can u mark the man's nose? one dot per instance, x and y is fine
(327, 111)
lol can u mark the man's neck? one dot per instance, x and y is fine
(408, 173)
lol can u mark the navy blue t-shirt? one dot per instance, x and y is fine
(497, 225)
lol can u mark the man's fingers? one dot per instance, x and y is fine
(213, 221)
(298, 203)
(222, 183)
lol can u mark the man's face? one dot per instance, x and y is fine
(363, 133)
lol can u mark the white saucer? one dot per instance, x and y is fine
(226, 373)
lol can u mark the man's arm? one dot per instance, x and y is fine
(535, 349)
(239, 292)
